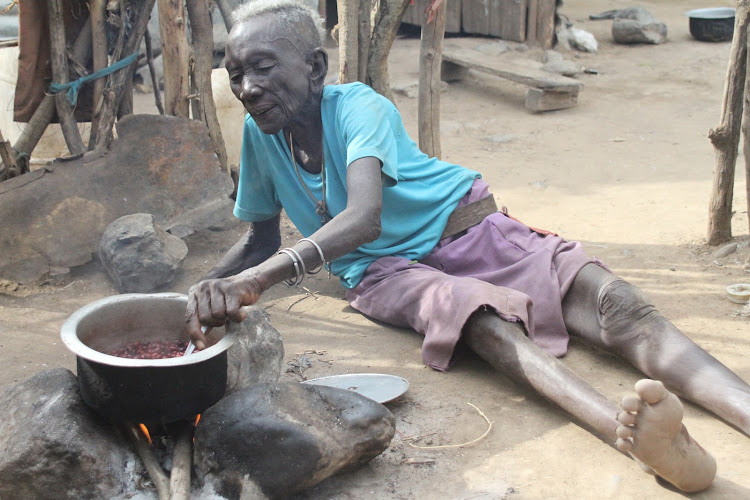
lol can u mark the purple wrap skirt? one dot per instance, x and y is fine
(499, 263)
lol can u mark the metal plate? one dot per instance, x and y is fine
(377, 386)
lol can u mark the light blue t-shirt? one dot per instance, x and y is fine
(419, 193)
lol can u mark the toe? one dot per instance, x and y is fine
(624, 432)
(650, 391)
(624, 445)
(626, 418)
(630, 403)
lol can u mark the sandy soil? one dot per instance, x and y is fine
(627, 172)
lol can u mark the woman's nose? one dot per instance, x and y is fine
(249, 89)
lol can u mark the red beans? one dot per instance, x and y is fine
(156, 349)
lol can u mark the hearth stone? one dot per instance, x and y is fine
(287, 437)
(257, 353)
(54, 447)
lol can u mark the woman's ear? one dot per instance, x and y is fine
(318, 67)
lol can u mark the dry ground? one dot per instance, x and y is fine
(628, 172)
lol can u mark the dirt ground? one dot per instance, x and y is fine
(627, 171)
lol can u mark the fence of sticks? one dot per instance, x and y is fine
(105, 54)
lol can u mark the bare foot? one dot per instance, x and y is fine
(651, 431)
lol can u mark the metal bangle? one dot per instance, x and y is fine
(320, 252)
(301, 263)
(297, 276)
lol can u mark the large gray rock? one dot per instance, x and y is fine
(637, 25)
(162, 165)
(54, 447)
(138, 255)
(257, 354)
(287, 437)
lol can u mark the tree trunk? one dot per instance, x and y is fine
(348, 34)
(117, 80)
(175, 56)
(363, 38)
(386, 25)
(430, 57)
(203, 46)
(59, 61)
(726, 137)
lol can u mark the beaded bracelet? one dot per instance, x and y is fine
(320, 252)
(297, 262)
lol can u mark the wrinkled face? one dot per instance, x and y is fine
(267, 73)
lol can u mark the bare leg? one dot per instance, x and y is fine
(673, 456)
(617, 317)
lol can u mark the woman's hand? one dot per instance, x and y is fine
(213, 302)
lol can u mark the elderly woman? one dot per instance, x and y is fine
(418, 242)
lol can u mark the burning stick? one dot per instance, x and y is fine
(155, 472)
(182, 458)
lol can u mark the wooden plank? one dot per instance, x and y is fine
(548, 100)
(528, 76)
(504, 19)
(545, 23)
(415, 13)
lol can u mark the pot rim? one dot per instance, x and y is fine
(712, 13)
(72, 342)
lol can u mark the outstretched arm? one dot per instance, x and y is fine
(260, 242)
(212, 302)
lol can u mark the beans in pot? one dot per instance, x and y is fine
(155, 349)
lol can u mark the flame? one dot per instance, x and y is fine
(197, 419)
(145, 432)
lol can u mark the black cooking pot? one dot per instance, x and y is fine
(148, 391)
(712, 25)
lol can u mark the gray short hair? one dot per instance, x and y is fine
(294, 16)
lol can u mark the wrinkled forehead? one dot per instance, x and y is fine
(262, 32)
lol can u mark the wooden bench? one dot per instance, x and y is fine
(546, 92)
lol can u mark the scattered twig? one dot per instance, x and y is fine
(155, 472)
(412, 461)
(489, 428)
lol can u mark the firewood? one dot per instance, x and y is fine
(155, 472)
(182, 461)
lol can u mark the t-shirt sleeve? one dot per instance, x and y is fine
(256, 195)
(365, 121)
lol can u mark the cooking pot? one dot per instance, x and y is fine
(712, 25)
(145, 391)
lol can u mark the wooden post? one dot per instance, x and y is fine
(348, 34)
(746, 126)
(531, 17)
(363, 38)
(430, 57)
(117, 80)
(545, 23)
(175, 56)
(726, 137)
(203, 46)
(59, 60)
(152, 71)
(384, 30)
(99, 43)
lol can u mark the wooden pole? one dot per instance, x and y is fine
(363, 38)
(726, 137)
(203, 46)
(59, 60)
(152, 71)
(746, 126)
(99, 43)
(430, 57)
(387, 21)
(175, 56)
(348, 34)
(117, 80)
